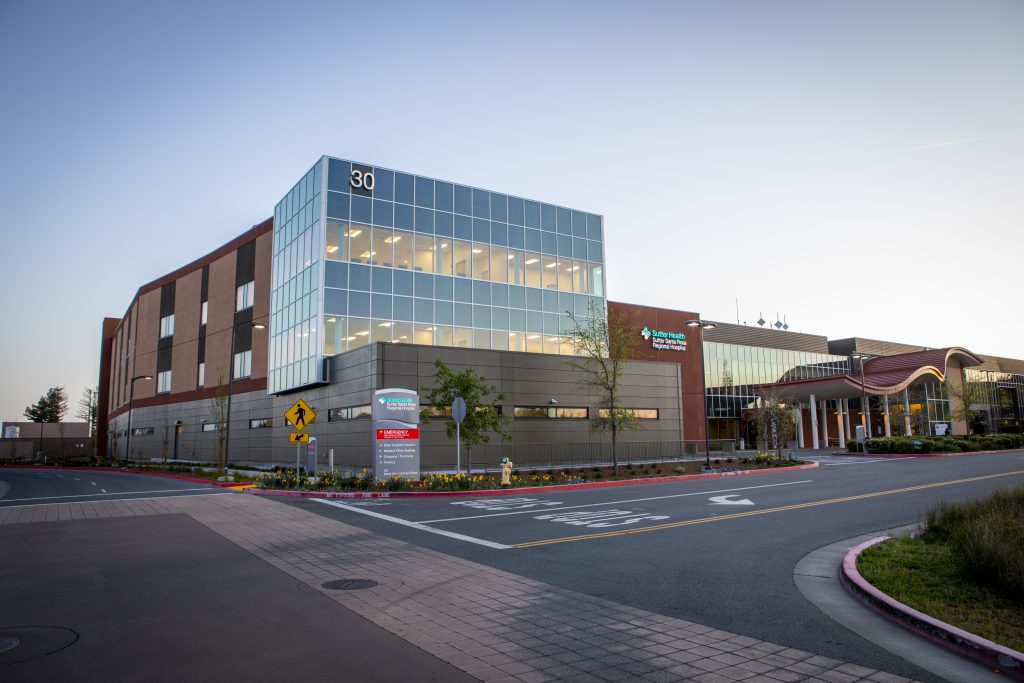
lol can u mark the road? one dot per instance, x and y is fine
(720, 552)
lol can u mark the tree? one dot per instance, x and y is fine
(481, 416)
(972, 391)
(219, 416)
(604, 343)
(51, 407)
(775, 418)
(87, 408)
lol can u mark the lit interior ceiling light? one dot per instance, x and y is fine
(551, 265)
(391, 240)
(332, 320)
(362, 333)
(574, 268)
(355, 233)
(384, 324)
(478, 251)
(404, 337)
(431, 329)
(367, 254)
(533, 336)
(444, 245)
(511, 334)
(531, 261)
(511, 256)
(333, 248)
(349, 338)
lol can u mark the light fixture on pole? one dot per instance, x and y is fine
(704, 325)
(864, 418)
(223, 457)
(131, 396)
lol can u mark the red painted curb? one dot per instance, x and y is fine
(925, 455)
(168, 475)
(985, 652)
(526, 489)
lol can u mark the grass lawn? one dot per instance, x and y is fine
(928, 576)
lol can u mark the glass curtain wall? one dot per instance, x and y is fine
(294, 353)
(731, 371)
(417, 260)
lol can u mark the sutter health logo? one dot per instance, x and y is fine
(667, 341)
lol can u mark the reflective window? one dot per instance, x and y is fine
(167, 326)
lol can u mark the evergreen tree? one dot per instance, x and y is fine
(51, 407)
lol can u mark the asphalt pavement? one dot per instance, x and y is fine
(42, 486)
(720, 552)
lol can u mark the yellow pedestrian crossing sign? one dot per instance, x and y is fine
(300, 415)
(298, 437)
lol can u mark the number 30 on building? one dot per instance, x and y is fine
(360, 180)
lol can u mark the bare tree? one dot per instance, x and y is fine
(965, 399)
(87, 408)
(219, 415)
(775, 420)
(603, 343)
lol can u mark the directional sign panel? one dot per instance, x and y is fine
(298, 437)
(300, 415)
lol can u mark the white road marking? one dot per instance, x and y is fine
(506, 503)
(861, 462)
(598, 519)
(724, 500)
(617, 502)
(93, 483)
(83, 502)
(93, 495)
(77, 479)
(414, 525)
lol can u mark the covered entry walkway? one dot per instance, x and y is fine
(916, 389)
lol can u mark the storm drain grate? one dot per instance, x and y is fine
(348, 584)
(8, 643)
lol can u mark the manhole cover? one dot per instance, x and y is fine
(8, 643)
(348, 584)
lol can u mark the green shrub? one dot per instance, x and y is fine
(987, 537)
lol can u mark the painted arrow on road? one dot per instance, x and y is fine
(724, 500)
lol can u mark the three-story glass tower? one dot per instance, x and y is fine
(365, 254)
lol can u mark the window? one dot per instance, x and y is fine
(211, 427)
(203, 311)
(243, 364)
(638, 413)
(350, 413)
(244, 296)
(163, 382)
(551, 412)
(142, 431)
(261, 423)
(167, 326)
(202, 375)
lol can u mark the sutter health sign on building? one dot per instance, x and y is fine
(396, 433)
(665, 341)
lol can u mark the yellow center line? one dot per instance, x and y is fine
(753, 513)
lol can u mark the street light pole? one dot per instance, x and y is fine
(131, 397)
(704, 325)
(223, 457)
(864, 419)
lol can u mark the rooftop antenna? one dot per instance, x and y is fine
(737, 310)
(778, 323)
(785, 325)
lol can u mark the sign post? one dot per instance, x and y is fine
(458, 414)
(396, 433)
(299, 416)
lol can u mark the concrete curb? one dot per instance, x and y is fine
(167, 475)
(991, 655)
(521, 490)
(924, 455)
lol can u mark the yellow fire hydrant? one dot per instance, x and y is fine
(506, 472)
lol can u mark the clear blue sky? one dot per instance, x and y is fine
(858, 167)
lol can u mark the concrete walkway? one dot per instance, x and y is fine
(493, 625)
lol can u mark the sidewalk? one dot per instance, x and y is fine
(493, 625)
